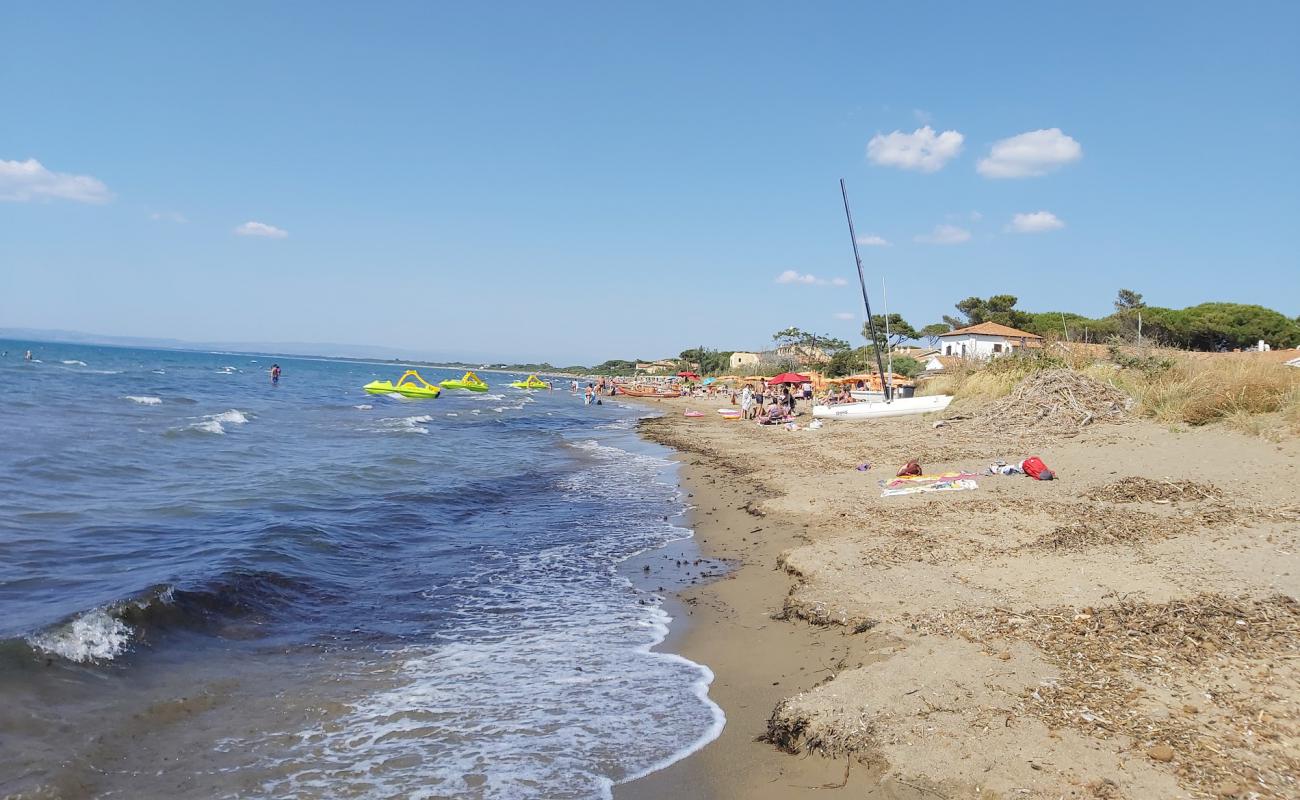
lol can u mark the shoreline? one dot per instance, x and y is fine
(826, 632)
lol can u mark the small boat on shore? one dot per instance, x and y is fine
(409, 385)
(470, 382)
(647, 391)
(899, 407)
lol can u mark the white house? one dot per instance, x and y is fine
(986, 340)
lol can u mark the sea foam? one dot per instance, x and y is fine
(144, 400)
(93, 636)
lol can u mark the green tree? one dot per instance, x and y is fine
(808, 344)
(899, 330)
(1128, 300)
(933, 331)
(1000, 308)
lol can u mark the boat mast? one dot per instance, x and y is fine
(862, 281)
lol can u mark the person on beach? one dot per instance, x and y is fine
(275, 373)
(747, 402)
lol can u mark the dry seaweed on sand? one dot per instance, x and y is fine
(1054, 401)
(1237, 739)
(1137, 489)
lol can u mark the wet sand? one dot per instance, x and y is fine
(907, 647)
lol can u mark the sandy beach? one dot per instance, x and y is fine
(1128, 630)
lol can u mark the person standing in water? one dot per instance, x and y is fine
(275, 373)
(28, 356)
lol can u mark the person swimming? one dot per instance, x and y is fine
(275, 373)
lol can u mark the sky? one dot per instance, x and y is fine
(582, 181)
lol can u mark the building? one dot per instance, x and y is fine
(660, 367)
(742, 359)
(986, 340)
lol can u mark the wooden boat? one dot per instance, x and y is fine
(899, 407)
(648, 391)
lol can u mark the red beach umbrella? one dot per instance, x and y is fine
(688, 374)
(789, 377)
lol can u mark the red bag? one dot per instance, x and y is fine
(1036, 469)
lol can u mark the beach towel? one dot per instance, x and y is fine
(916, 484)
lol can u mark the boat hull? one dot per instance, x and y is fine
(880, 410)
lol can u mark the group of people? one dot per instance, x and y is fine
(592, 392)
(770, 405)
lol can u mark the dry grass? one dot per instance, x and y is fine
(1201, 389)
(1256, 396)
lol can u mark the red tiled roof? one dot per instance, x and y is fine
(993, 329)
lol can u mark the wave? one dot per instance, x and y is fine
(216, 423)
(144, 400)
(91, 637)
(405, 424)
(363, 407)
(74, 363)
(101, 634)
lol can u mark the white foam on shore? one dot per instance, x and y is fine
(93, 636)
(548, 685)
(144, 400)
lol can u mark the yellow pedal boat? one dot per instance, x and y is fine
(403, 387)
(470, 381)
(531, 382)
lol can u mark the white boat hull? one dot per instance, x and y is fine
(878, 410)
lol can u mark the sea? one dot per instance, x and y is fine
(214, 586)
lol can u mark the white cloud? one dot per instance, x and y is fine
(29, 181)
(1030, 154)
(168, 216)
(260, 229)
(790, 276)
(945, 234)
(845, 315)
(872, 240)
(921, 150)
(793, 276)
(1035, 222)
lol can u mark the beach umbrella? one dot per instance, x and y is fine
(789, 377)
(688, 374)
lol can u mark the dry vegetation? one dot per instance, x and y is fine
(1254, 395)
(1220, 654)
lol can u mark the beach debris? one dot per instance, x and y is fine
(1115, 662)
(1059, 401)
(1136, 489)
(863, 467)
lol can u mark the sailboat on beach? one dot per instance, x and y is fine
(890, 405)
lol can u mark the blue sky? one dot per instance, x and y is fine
(580, 181)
